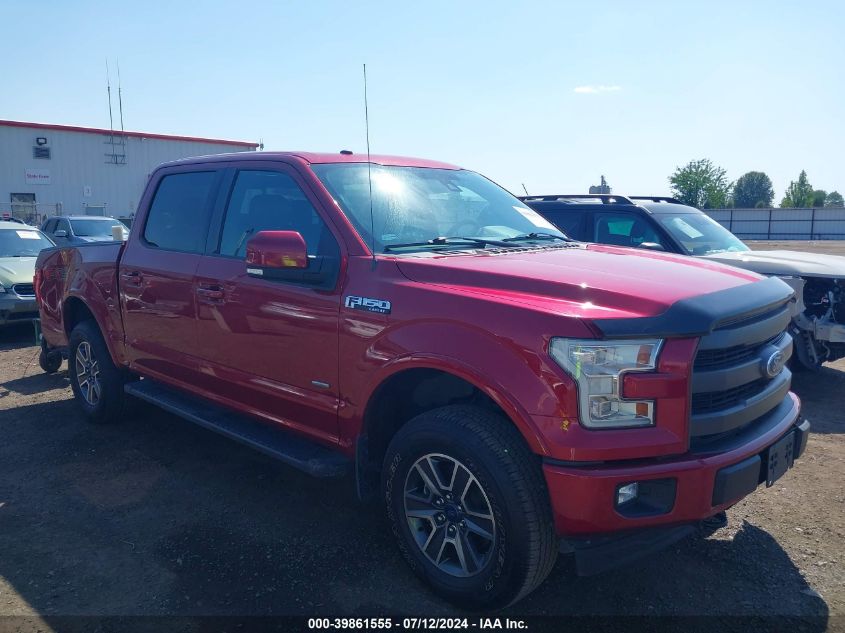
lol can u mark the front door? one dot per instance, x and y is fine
(156, 277)
(61, 232)
(269, 346)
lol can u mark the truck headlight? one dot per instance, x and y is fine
(598, 368)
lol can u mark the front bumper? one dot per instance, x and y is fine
(702, 483)
(16, 309)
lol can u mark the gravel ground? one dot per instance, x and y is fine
(830, 247)
(154, 516)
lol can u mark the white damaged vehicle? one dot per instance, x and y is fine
(818, 320)
(666, 224)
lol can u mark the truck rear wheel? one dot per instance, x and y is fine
(96, 381)
(468, 505)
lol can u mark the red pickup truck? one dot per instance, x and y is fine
(507, 392)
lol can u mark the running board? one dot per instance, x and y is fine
(310, 457)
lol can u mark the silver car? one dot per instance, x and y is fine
(79, 229)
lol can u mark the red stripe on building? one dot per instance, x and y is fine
(95, 130)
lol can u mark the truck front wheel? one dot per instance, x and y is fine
(96, 381)
(468, 505)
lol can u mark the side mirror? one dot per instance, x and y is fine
(282, 256)
(276, 249)
(652, 246)
(60, 233)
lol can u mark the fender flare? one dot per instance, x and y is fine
(104, 331)
(514, 411)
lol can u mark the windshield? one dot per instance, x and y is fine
(699, 234)
(94, 228)
(23, 242)
(412, 206)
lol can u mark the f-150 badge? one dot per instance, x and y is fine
(369, 305)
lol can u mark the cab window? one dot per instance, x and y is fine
(570, 222)
(179, 214)
(271, 201)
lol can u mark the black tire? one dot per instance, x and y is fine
(109, 405)
(50, 363)
(524, 547)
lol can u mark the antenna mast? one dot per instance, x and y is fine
(111, 118)
(369, 169)
(119, 96)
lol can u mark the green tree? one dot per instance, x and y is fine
(819, 196)
(701, 184)
(834, 199)
(753, 190)
(799, 193)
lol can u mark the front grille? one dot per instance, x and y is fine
(708, 359)
(730, 387)
(24, 290)
(710, 401)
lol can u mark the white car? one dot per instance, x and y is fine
(19, 247)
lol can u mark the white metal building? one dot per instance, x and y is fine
(50, 169)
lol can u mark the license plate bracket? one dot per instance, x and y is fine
(780, 457)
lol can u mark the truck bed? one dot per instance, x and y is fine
(86, 271)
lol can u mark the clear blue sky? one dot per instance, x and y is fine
(492, 86)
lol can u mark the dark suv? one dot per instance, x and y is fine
(666, 224)
(635, 221)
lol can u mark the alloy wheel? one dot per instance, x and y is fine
(88, 373)
(449, 515)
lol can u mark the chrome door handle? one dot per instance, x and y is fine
(211, 293)
(134, 277)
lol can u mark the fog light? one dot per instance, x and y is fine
(627, 493)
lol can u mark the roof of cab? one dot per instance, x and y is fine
(668, 208)
(17, 225)
(314, 158)
(634, 203)
(86, 217)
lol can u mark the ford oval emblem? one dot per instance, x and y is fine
(775, 364)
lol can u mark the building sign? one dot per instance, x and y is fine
(37, 176)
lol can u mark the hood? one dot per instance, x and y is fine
(17, 270)
(584, 280)
(791, 263)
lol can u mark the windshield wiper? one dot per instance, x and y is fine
(538, 236)
(451, 241)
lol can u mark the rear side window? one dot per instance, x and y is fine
(570, 222)
(178, 216)
(271, 201)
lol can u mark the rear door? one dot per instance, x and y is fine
(269, 346)
(156, 274)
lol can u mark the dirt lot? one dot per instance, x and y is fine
(155, 516)
(829, 247)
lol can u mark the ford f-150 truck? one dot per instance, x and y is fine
(507, 392)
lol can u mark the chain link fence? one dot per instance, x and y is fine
(32, 213)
